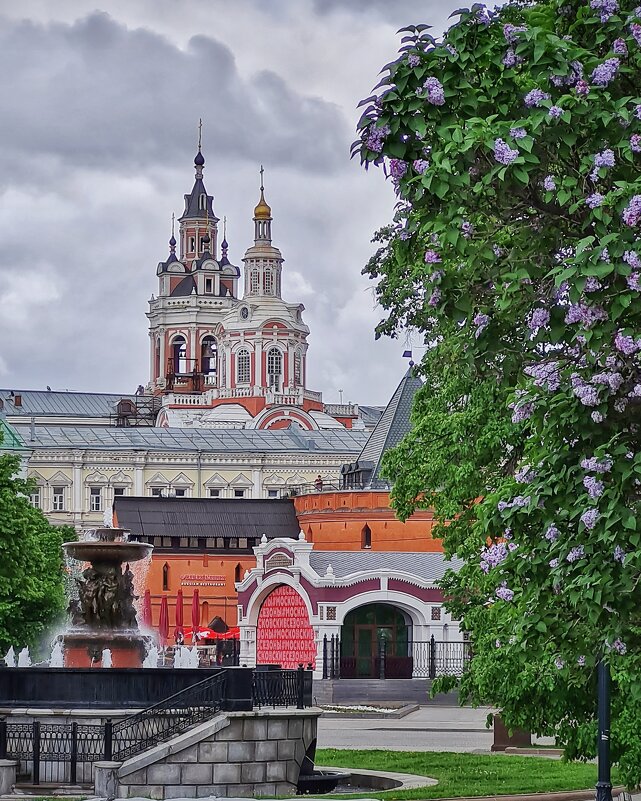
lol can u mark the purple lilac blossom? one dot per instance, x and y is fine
(555, 112)
(539, 319)
(451, 50)
(495, 555)
(597, 417)
(420, 165)
(637, 111)
(634, 281)
(522, 412)
(481, 322)
(626, 344)
(504, 592)
(635, 30)
(397, 168)
(413, 60)
(621, 405)
(434, 89)
(581, 661)
(559, 664)
(619, 646)
(619, 554)
(592, 284)
(553, 562)
(575, 553)
(521, 133)
(604, 73)
(597, 464)
(593, 486)
(605, 159)
(503, 153)
(611, 379)
(548, 183)
(511, 32)
(435, 297)
(552, 533)
(497, 643)
(635, 143)
(589, 518)
(632, 258)
(595, 200)
(635, 392)
(588, 395)
(525, 474)
(535, 97)
(510, 59)
(606, 8)
(437, 275)
(620, 48)
(432, 257)
(587, 315)
(582, 88)
(467, 229)
(546, 375)
(632, 212)
(376, 136)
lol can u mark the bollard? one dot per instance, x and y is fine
(105, 779)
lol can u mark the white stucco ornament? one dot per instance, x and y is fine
(329, 573)
(301, 536)
(263, 539)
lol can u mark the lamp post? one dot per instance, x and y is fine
(604, 784)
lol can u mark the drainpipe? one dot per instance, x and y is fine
(198, 474)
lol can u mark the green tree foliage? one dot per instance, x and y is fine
(31, 562)
(514, 146)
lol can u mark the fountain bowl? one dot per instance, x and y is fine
(107, 552)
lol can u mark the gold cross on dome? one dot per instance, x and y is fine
(200, 133)
(261, 177)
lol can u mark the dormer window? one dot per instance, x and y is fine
(202, 201)
(269, 282)
(209, 286)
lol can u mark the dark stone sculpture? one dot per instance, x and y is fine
(105, 598)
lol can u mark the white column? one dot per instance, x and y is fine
(76, 499)
(163, 360)
(139, 477)
(257, 478)
(258, 361)
(192, 345)
(290, 364)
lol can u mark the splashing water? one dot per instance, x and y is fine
(106, 658)
(24, 660)
(151, 660)
(10, 657)
(56, 659)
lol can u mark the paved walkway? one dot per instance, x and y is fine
(430, 728)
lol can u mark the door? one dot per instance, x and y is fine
(365, 651)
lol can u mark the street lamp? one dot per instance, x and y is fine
(604, 783)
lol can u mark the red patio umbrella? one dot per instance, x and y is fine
(146, 609)
(179, 613)
(163, 622)
(195, 613)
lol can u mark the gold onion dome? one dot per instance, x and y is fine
(262, 210)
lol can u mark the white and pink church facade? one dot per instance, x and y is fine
(222, 360)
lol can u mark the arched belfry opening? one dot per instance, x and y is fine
(366, 536)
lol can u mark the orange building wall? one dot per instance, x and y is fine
(334, 521)
(212, 574)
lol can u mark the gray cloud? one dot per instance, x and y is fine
(96, 93)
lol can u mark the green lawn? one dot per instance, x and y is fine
(467, 774)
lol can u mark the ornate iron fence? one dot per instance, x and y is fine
(424, 660)
(62, 753)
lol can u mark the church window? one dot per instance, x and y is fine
(269, 282)
(202, 244)
(95, 499)
(297, 369)
(209, 356)
(237, 573)
(242, 367)
(275, 368)
(35, 498)
(58, 499)
(254, 278)
(165, 577)
(209, 285)
(179, 359)
(119, 492)
(202, 201)
(192, 244)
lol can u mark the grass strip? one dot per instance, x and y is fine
(461, 774)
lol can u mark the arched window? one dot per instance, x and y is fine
(237, 573)
(275, 369)
(157, 359)
(254, 278)
(202, 201)
(165, 577)
(366, 537)
(243, 373)
(179, 355)
(268, 281)
(209, 358)
(298, 376)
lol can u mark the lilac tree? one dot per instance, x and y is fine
(514, 146)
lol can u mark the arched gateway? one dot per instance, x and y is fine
(284, 635)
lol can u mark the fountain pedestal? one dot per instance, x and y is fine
(103, 617)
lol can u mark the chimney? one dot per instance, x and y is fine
(17, 400)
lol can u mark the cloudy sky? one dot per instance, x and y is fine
(100, 106)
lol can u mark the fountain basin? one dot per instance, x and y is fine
(101, 552)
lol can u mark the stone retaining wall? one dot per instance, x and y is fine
(235, 754)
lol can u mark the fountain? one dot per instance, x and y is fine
(104, 631)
